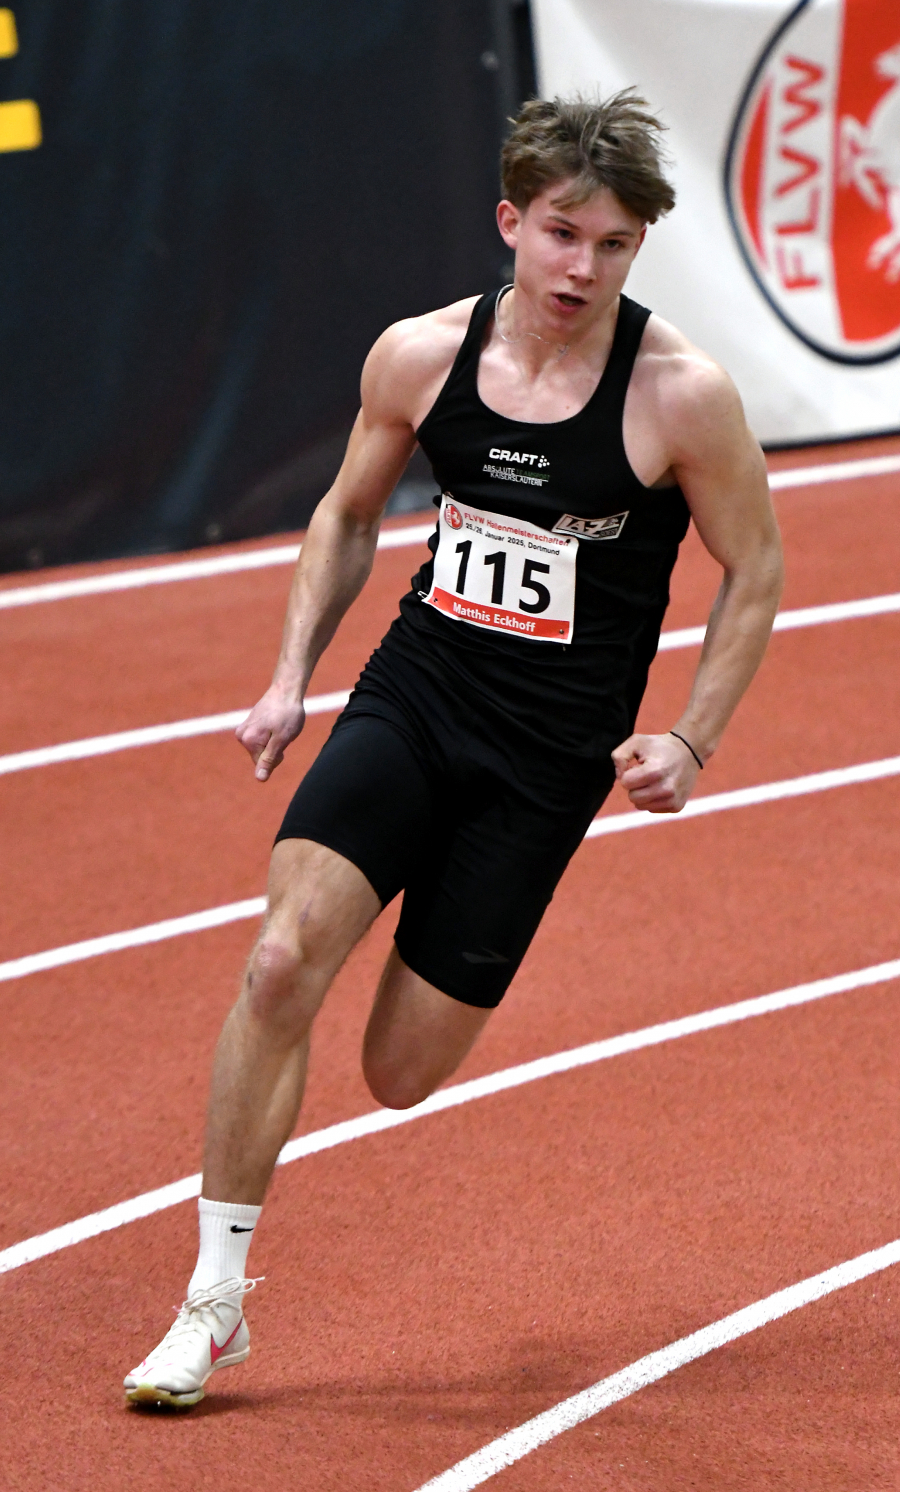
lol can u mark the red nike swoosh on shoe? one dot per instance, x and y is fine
(215, 1352)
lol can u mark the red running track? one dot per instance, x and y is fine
(429, 1287)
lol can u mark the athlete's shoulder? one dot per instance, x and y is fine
(414, 354)
(689, 391)
(420, 343)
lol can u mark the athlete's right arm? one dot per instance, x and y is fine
(339, 548)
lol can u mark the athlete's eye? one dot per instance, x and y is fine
(564, 233)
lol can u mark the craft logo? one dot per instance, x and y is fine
(524, 458)
(813, 177)
(453, 516)
(520, 466)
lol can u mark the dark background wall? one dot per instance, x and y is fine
(228, 205)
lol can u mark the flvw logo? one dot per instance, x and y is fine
(813, 177)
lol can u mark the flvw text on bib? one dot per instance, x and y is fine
(503, 574)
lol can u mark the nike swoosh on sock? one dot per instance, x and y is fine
(236, 1229)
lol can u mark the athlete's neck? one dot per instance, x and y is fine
(535, 341)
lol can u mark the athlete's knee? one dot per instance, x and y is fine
(272, 975)
(283, 979)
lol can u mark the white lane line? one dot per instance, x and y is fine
(221, 564)
(151, 735)
(509, 1448)
(286, 554)
(449, 1098)
(321, 704)
(173, 927)
(838, 471)
(746, 797)
(133, 937)
(803, 616)
(836, 611)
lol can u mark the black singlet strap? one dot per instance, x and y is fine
(613, 386)
(464, 370)
(470, 347)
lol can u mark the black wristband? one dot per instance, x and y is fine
(689, 747)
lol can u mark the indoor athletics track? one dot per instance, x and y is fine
(664, 1261)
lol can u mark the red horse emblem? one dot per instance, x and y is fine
(813, 177)
(870, 161)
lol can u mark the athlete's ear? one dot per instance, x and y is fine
(643, 236)
(509, 221)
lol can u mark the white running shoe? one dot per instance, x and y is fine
(209, 1333)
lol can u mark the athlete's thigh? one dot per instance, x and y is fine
(467, 925)
(369, 797)
(416, 1036)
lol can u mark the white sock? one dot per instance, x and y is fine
(226, 1229)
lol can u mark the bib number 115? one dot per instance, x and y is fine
(497, 562)
(503, 574)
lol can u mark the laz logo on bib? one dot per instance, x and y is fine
(503, 574)
(591, 528)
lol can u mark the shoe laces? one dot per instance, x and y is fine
(191, 1314)
(223, 1292)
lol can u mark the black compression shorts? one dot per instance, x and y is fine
(476, 854)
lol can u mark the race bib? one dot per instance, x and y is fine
(503, 574)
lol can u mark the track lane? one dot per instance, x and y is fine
(194, 648)
(739, 1420)
(510, 1448)
(658, 1195)
(758, 909)
(376, 1121)
(254, 907)
(130, 658)
(863, 608)
(262, 554)
(201, 647)
(330, 1405)
(103, 840)
(151, 862)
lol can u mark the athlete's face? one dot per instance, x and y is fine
(571, 262)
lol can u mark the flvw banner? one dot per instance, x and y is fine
(782, 258)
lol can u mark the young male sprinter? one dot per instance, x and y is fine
(572, 434)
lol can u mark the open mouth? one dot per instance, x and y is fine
(568, 302)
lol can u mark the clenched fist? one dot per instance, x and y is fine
(657, 772)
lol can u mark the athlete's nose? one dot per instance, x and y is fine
(581, 267)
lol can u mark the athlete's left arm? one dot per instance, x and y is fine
(722, 473)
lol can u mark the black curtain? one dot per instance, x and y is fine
(229, 203)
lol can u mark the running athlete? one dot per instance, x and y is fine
(573, 435)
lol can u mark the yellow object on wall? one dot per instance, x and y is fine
(20, 118)
(9, 41)
(20, 125)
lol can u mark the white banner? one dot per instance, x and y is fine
(782, 257)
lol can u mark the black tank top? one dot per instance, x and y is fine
(581, 697)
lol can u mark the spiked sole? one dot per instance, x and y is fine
(150, 1393)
